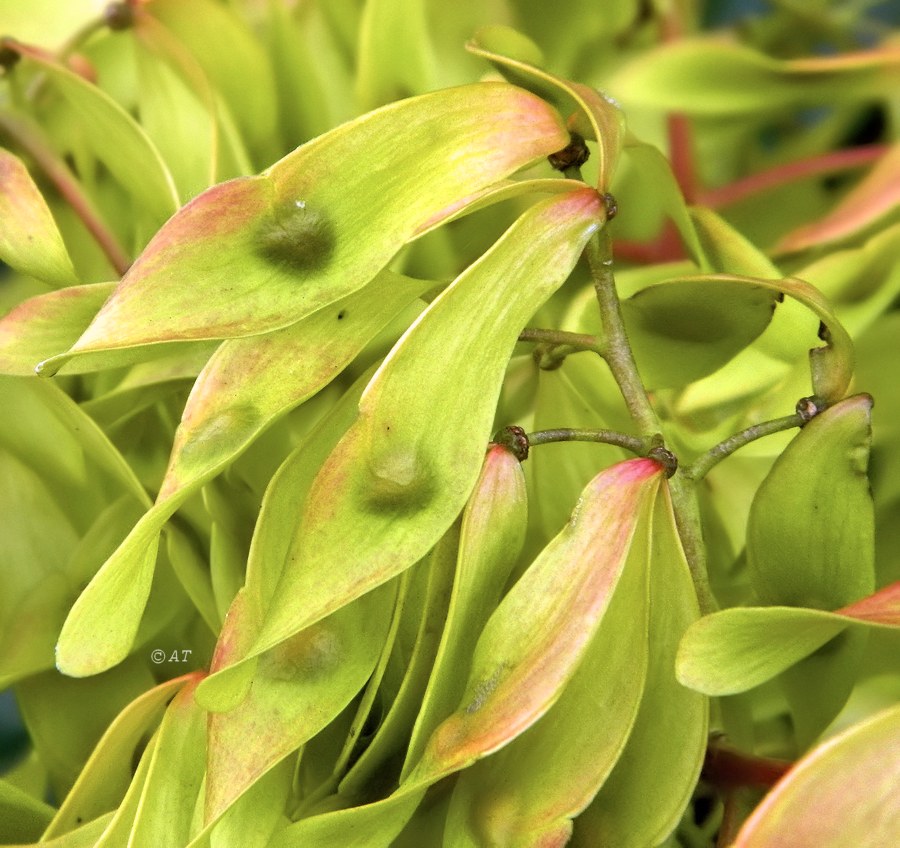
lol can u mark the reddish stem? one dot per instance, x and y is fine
(728, 827)
(681, 147)
(29, 139)
(825, 163)
(681, 155)
(667, 247)
(727, 768)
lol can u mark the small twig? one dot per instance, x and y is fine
(607, 437)
(701, 466)
(576, 341)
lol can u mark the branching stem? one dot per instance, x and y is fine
(621, 363)
(705, 462)
(617, 350)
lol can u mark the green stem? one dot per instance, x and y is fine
(617, 350)
(686, 508)
(705, 462)
(621, 363)
(607, 437)
(28, 138)
(576, 341)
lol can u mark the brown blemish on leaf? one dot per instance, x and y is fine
(310, 652)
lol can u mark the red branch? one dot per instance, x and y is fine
(727, 768)
(825, 163)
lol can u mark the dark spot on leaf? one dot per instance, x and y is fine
(298, 237)
(399, 480)
(779, 298)
(341, 314)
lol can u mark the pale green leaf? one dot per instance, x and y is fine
(268, 551)
(245, 386)
(65, 738)
(540, 633)
(43, 325)
(44, 427)
(390, 488)
(252, 821)
(396, 56)
(717, 76)
(576, 744)
(303, 239)
(382, 759)
(36, 590)
(728, 251)
(598, 116)
(45, 22)
(581, 393)
(297, 689)
(105, 778)
(118, 828)
(174, 775)
(29, 239)
(653, 193)
(831, 364)
(844, 792)
(665, 750)
(22, 817)
(810, 535)
(491, 537)
(367, 826)
(117, 597)
(178, 118)
(681, 332)
(736, 649)
(234, 60)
